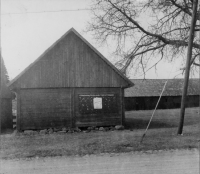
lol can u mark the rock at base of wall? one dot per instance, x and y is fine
(61, 132)
(77, 130)
(30, 132)
(119, 127)
(50, 131)
(106, 129)
(101, 129)
(112, 128)
(64, 129)
(42, 132)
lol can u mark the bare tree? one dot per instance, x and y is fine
(150, 28)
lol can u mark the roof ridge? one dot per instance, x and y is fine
(103, 58)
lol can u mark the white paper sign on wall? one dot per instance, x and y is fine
(97, 102)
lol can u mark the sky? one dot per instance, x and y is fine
(29, 27)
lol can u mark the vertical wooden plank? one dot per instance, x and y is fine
(122, 106)
(73, 111)
(76, 66)
(18, 110)
(64, 67)
(81, 75)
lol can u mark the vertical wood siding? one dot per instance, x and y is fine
(61, 107)
(45, 108)
(108, 115)
(6, 113)
(70, 63)
(18, 110)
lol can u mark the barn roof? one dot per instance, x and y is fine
(130, 83)
(153, 87)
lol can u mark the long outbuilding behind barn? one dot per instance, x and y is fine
(145, 94)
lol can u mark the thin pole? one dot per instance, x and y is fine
(153, 112)
(187, 70)
(0, 73)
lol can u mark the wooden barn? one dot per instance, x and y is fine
(70, 85)
(145, 94)
(5, 100)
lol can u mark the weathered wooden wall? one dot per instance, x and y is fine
(166, 102)
(68, 107)
(110, 114)
(44, 108)
(6, 113)
(70, 63)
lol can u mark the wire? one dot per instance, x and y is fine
(50, 11)
(57, 11)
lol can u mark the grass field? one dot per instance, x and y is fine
(162, 135)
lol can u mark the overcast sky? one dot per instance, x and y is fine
(29, 27)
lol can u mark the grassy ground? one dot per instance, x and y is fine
(161, 135)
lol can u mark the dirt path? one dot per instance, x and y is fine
(167, 162)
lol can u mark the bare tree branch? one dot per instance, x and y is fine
(165, 34)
